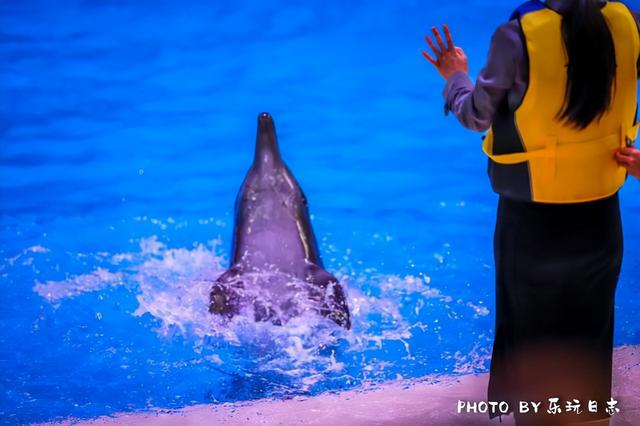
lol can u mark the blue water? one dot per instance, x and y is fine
(125, 132)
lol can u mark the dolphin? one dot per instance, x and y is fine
(272, 233)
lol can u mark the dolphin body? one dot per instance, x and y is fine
(273, 233)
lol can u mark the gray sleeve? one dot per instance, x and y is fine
(475, 105)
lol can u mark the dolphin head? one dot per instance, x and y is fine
(271, 207)
(273, 233)
(269, 175)
(267, 152)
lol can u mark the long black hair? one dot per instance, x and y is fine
(591, 70)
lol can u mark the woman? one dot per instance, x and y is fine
(558, 96)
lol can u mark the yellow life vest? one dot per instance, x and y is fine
(536, 157)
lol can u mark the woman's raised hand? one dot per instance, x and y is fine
(449, 59)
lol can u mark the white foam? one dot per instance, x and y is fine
(172, 285)
(96, 280)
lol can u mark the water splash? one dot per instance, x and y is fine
(172, 286)
(98, 279)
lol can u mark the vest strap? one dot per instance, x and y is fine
(516, 157)
(627, 137)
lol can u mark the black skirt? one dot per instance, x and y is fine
(557, 268)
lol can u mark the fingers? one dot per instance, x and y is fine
(435, 50)
(437, 53)
(630, 151)
(429, 58)
(629, 158)
(447, 34)
(436, 34)
(623, 159)
(628, 155)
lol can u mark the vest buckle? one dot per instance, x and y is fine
(629, 142)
